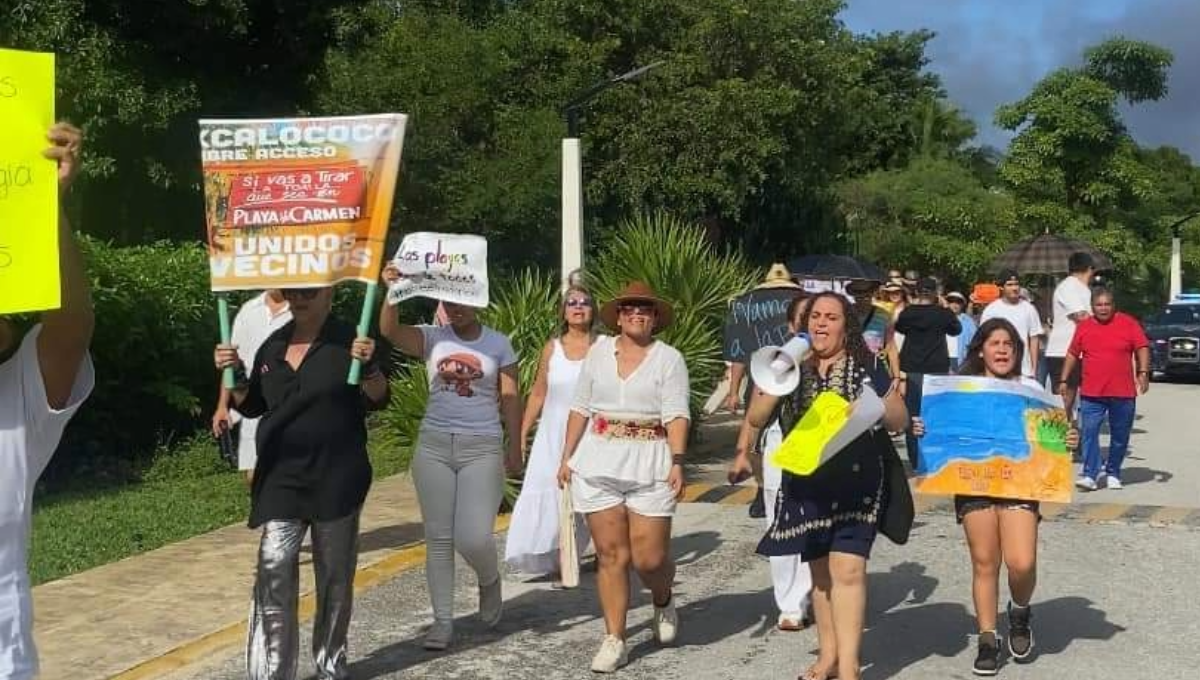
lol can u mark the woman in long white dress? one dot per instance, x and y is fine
(533, 535)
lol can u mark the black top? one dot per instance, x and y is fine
(312, 439)
(925, 328)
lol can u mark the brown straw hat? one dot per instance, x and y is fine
(637, 291)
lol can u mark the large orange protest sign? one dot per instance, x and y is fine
(298, 202)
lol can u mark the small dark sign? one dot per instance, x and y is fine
(757, 319)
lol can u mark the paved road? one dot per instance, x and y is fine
(1115, 601)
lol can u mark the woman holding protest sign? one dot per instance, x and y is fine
(829, 518)
(626, 437)
(533, 535)
(1000, 529)
(461, 456)
(312, 473)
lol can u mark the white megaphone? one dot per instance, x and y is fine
(776, 370)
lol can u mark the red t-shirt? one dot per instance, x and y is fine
(1107, 351)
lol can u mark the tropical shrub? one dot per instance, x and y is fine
(676, 259)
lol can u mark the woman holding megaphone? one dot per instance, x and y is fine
(829, 518)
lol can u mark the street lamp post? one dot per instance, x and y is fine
(572, 170)
(1177, 257)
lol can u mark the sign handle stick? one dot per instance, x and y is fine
(364, 327)
(223, 317)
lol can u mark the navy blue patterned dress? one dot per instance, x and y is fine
(836, 509)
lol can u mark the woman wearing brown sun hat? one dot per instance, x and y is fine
(626, 437)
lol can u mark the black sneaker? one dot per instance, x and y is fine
(1020, 632)
(758, 509)
(987, 662)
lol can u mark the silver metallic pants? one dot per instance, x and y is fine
(272, 651)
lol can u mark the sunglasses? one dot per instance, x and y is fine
(579, 302)
(301, 293)
(642, 308)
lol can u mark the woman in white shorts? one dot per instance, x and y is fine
(626, 437)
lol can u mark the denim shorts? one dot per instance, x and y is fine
(963, 505)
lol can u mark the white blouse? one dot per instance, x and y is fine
(656, 391)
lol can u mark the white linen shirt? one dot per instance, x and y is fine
(657, 390)
(252, 326)
(29, 433)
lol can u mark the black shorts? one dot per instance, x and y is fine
(964, 505)
(1054, 366)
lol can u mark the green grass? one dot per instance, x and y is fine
(186, 491)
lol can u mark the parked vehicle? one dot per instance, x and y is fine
(1175, 338)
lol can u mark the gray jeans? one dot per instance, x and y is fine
(460, 481)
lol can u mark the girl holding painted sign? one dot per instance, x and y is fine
(830, 518)
(461, 455)
(532, 545)
(1000, 528)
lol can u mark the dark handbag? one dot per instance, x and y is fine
(896, 514)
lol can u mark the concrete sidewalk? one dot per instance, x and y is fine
(151, 612)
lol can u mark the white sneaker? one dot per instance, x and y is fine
(439, 636)
(666, 623)
(611, 656)
(1113, 483)
(491, 603)
(1086, 483)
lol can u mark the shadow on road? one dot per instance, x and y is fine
(906, 636)
(543, 612)
(1143, 475)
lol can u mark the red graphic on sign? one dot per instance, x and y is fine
(301, 196)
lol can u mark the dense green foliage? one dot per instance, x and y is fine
(757, 110)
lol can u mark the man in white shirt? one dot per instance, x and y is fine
(1021, 314)
(1072, 304)
(257, 319)
(42, 384)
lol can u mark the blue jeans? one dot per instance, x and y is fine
(1119, 411)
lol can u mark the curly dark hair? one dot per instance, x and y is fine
(973, 364)
(856, 347)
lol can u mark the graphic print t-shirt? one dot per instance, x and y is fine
(464, 380)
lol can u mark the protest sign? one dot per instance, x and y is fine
(755, 320)
(996, 438)
(29, 272)
(446, 267)
(828, 426)
(298, 202)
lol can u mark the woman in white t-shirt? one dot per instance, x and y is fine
(458, 467)
(626, 436)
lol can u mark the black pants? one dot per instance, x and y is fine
(912, 401)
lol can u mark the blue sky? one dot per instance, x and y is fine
(990, 52)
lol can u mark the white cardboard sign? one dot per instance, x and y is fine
(447, 267)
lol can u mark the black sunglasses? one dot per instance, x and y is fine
(301, 293)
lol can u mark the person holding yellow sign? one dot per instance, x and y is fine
(42, 384)
(829, 517)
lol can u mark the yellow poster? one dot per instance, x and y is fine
(28, 185)
(298, 202)
(801, 451)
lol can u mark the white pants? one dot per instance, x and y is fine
(790, 576)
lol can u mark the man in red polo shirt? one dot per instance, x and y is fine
(1109, 343)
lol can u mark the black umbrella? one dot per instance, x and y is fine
(1047, 254)
(834, 267)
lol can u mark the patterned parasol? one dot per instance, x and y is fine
(1047, 254)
